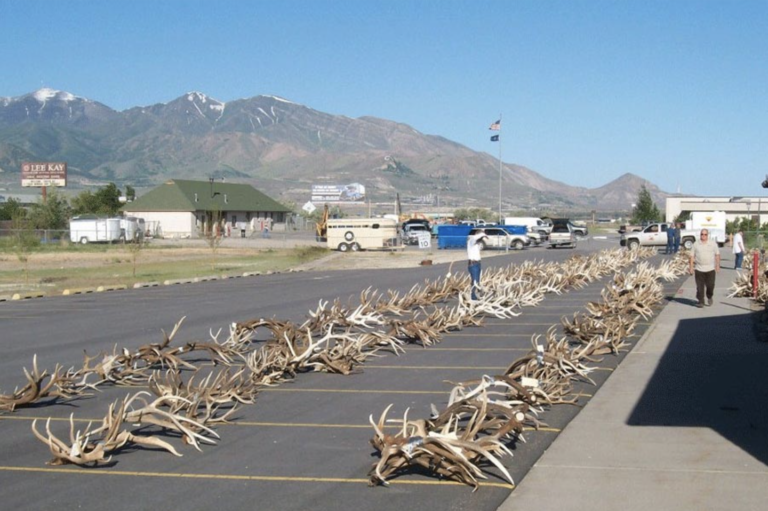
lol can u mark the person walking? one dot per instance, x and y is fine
(676, 247)
(670, 239)
(474, 246)
(738, 249)
(704, 265)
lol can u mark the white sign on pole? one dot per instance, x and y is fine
(425, 240)
(309, 207)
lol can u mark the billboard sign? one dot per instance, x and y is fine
(50, 173)
(351, 193)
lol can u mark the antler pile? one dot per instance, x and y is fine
(483, 415)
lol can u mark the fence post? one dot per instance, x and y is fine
(755, 272)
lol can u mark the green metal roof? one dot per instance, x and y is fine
(186, 195)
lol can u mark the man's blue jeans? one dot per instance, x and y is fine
(474, 273)
(739, 260)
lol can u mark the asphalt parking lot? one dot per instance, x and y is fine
(303, 444)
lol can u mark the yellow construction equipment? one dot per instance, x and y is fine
(321, 227)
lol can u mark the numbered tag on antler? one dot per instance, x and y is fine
(529, 382)
(540, 354)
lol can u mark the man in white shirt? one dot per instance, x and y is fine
(738, 249)
(704, 264)
(473, 256)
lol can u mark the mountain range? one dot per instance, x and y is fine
(280, 147)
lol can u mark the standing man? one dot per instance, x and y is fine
(670, 239)
(474, 246)
(705, 263)
(738, 248)
(678, 228)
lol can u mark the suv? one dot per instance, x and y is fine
(562, 234)
(500, 238)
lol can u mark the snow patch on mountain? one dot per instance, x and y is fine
(46, 94)
(282, 100)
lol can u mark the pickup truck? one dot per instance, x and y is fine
(655, 235)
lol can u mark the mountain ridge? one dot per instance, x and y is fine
(279, 146)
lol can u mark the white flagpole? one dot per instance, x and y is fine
(501, 219)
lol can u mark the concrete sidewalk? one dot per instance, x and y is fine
(682, 424)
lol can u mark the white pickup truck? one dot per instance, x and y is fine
(655, 235)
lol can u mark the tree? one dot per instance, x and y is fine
(11, 209)
(130, 193)
(24, 240)
(645, 209)
(211, 231)
(105, 201)
(54, 213)
(476, 213)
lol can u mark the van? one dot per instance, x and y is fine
(345, 234)
(533, 224)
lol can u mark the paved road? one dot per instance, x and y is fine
(303, 445)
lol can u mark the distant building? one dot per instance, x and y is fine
(734, 207)
(183, 208)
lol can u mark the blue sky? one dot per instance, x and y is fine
(673, 91)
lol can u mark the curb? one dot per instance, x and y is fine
(101, 289)
(78, 291)
(138, 285)
(27, 296)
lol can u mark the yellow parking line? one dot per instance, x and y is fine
(521, 324)
(438, 368)
(235, 477)
(356, 391)
(481, 334)
(259, 424)
(480, 349)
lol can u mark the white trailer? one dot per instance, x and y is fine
(133, 228)
(362, 233)
(95, 230)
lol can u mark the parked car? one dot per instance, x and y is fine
(411, 232)
(629, 228)
(562, 234)
(580, 230)
(501, 238)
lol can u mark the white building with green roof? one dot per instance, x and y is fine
(184, 208)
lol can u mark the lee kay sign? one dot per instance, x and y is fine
(39, 174)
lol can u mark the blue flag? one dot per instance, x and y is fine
(495, 138)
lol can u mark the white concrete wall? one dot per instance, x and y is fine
(734, 207)
(170, 224)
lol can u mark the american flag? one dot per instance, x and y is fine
(496, 126)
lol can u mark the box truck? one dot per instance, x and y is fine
(713, 221)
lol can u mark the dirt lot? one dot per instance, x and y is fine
(101, 266)
(189, 250)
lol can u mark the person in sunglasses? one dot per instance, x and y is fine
(704, 265)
